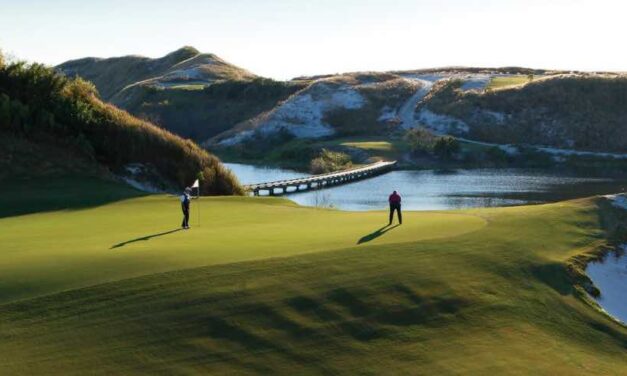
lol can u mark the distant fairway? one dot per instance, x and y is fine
(500, 82)
(265, 286)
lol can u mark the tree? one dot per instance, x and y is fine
(5, 111)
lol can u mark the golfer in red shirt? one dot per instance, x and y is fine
(395, 204)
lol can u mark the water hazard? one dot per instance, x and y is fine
(610, 277)
(438, 190)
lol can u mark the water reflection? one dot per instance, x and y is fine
(249, 174)
(441, 190)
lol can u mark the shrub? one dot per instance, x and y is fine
(496, 155)
(329, 161)
(420, 140)
(446, 147)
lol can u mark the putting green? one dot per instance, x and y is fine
(75, 248)
(264, 286)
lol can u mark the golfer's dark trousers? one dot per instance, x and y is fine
(185, 216)
(396, 207)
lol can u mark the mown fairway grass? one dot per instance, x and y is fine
(375, 147)
(500, 82)
(265, 286)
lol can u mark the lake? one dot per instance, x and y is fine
(442, 190)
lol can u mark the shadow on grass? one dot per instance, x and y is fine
(144, 238)
(555, 276)
(376, 234)
(28, 196)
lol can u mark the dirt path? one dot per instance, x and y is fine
(408, 110)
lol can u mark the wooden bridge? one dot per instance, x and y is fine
(321, 181)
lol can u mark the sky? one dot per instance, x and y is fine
(283, 39)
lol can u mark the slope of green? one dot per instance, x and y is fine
(467, 292)
(21, 158)
(27, 195)
(141, 236)
(44, 108)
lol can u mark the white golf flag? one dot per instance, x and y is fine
(195, 185)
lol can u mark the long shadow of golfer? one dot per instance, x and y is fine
(145, 238)
(376, 234)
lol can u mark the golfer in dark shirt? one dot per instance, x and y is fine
(185, 199)
(395, 204)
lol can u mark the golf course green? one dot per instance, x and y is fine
(99, 279)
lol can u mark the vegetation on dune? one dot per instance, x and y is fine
(40, 105)
(387, 94)
(474, 292)
(575, 111)
(209, 109)
(485, 70)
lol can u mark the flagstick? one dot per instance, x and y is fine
(198, 200)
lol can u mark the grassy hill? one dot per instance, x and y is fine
(52, 125)
(252, 118)
(583, 112)
(185, 65)
(192, 94)
(310, 291)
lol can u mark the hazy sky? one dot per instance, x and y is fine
(283, 39)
